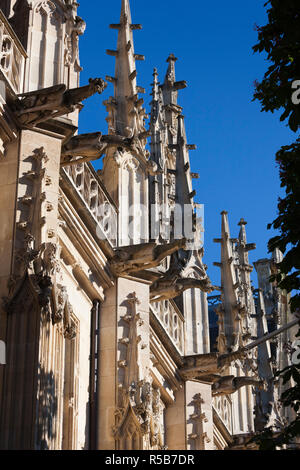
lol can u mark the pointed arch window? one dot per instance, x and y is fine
(46, 44)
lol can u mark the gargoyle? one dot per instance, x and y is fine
(231, 384)
(92, 146)
(41, 105)
(136, 258)
(88, 146)
(167, 288)
(173, 283)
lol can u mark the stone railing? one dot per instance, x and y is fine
(95, 198)
(12, 56)
(223, 407)
(172, 322)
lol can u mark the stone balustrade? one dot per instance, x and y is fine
(223, 407)
(172, 321)
(12, 56)
(94, 196)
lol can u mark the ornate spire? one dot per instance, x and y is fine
(170, 97)
(244, 247)
(184, 187)
(264, 409)
(155, 87)
(237, 294)
(157, 122)
(229, 314)
(170, 86)
(126, 114)
(264, 350)
(244, 273)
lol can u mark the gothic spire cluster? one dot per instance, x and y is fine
(125, 109)
(169, 147)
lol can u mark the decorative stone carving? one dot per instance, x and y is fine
(231, 384)
(89, 146)
(22, 226)
(221, 340)
(61, 302)
(92, 146)
(186, 271)
(42, 268)
(153, 169)
(136, 258)
(201, 367)
(157, 423)
(75, 27)
(47, 263)
(12, 55)
(38, 106)
(238, 309)
(51, 233)
(172, 285)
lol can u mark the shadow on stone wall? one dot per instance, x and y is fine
(47, 411)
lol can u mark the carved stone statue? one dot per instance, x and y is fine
(46, 263)
(136, 258)
(41, 267)
(76, 27)
(38, 106)
(45, 295)
(61, 303)
(70, 327)
(231, 384)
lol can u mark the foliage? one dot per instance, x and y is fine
(288, 223)
(272, 439)
(280, 39)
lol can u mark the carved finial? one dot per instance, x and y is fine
(170, 76)
(172, 58)
(242, 222)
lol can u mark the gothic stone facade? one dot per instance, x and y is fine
(104, 308)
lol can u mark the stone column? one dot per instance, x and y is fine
(189, 420)
(32, 381)
(199, 416)
(124, 356)
(8, 188)
(176, 422)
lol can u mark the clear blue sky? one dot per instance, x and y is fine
(236, 142)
